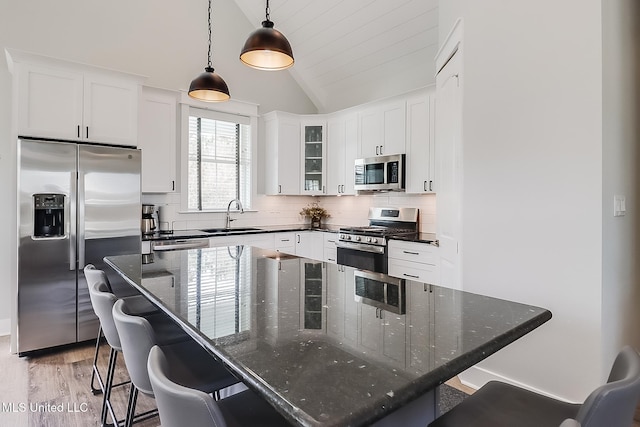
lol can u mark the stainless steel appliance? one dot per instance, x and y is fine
(178, 244)
(77, 204)
(381, 291)
(366, 247)
(148, 221)
(381, 173)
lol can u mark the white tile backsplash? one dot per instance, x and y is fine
(284, 210)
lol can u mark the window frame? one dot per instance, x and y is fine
(230, 111)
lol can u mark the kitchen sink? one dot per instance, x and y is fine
(228, 230)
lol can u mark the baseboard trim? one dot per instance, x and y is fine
(475, 377)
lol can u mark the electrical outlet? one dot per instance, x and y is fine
(619, 206)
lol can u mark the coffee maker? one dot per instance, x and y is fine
(148, 222)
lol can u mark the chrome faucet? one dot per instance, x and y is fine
(239, 205)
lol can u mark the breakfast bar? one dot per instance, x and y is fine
(327, 344)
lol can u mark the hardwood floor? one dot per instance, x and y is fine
(52, 389)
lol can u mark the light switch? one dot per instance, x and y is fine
(619, 206)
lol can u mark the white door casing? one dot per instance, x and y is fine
(449, 168)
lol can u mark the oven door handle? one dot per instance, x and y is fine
(360, 247)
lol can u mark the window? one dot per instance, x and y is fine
(219, 165)
(219, 292)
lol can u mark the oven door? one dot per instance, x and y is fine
(355, 255)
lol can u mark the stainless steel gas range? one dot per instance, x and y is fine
(366, 247)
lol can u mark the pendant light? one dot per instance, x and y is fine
(209, 86)
(267, 48)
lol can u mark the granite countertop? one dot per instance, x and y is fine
(418, 238)
(332, 228)
(295, 331)
(195, 233)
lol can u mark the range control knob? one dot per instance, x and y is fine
(357, 238)
(374, 240)
(369, 239)
(347, 237)
(341, 236)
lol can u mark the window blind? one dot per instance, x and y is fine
(219, 163)
(219, 291)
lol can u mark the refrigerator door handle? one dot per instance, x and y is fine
(81, 214)
(70, 218)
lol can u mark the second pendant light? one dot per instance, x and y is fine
(267, 48)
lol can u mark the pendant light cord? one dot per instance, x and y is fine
(267, 11)
(209, 53)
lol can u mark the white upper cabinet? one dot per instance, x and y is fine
(382, 129)
(314, 155)
(157, 136)
(342, 137)
(110, 110)
(282, 153)
(420, 160)
(64, 100)
(49, 102)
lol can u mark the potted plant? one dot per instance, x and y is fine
(315, 213)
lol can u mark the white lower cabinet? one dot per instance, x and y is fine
(330, 250)
(413, 260)
(229, 240)
(260, 240)
(382, 333)
(282, 308)
(420, 326)
(285, 242)
(342, 308)
(309, 244)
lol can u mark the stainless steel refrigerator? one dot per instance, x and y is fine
(77, 204)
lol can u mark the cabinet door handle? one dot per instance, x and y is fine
(298, 238)
(381, 150)
(78, 131)
(87, 132)
(279, 188)
(342, 188)
(323, 189)
(411, 253)
(424, 185)
(173, 186)
(411, 275)
(430, 185)
(377, 153)
(284, 240)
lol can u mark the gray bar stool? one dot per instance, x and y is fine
(183, 406)
(497, 404)
(102, 301)
(141, 304)
(192, 365)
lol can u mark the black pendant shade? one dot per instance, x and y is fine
(209, 87)
(267, 48)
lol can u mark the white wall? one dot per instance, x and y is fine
(163, 40)
(533, 168)
(620, 157)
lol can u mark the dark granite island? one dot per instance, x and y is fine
(323, 343)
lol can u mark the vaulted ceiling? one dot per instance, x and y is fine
(349, 52)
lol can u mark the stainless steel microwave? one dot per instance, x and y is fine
(381, 291)
(381, 173)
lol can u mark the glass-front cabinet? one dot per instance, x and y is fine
(314, 154)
